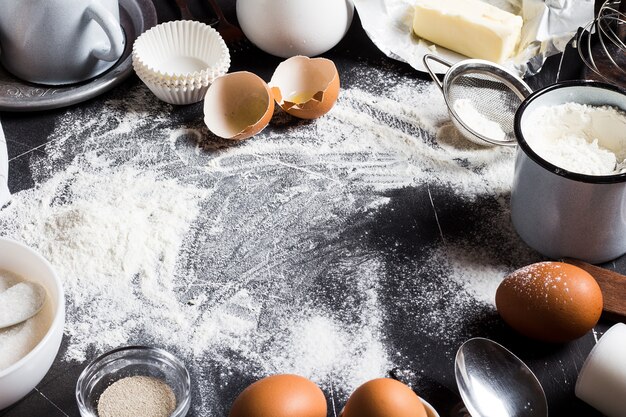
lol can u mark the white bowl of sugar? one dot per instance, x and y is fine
(28, 349)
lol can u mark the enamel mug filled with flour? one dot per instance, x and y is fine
(569, 188)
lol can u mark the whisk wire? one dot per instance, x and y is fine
(608, 27)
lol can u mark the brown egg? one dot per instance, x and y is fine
(305, 87)
(280, 396)
(384, 397)
(550, 301)
(238, 105)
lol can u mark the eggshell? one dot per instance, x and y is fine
(280, 396)
(550, 301)
(305, 87)
(384, 397)
(238, 105)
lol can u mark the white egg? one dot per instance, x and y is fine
(286, 28)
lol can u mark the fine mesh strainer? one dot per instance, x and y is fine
(482, 98)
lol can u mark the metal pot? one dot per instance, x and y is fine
(561, 213)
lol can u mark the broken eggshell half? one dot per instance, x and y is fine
(238, 105)
(305, 87)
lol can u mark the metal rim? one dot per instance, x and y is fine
(480, 66)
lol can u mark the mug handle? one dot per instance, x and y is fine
(113, 30)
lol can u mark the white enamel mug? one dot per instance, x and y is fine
(59, 41)
(563, 214)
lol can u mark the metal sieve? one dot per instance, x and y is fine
(482, 98)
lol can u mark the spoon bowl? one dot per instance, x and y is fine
(493, 382)
(21, 302)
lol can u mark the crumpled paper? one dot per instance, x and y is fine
(548, 27)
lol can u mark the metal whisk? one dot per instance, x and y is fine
(606, 55)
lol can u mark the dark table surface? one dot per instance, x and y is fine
(556, 366)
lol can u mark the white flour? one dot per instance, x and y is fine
(468, 113)
(279, 253)
(579, 138)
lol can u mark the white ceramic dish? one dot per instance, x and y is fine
(4, 170)
(20, 378)
(430, 410)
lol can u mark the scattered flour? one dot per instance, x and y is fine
(293, 251)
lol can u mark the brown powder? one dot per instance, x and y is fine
(137, 396)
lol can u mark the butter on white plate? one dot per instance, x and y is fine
(469, 27)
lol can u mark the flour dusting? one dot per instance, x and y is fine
(293, 251)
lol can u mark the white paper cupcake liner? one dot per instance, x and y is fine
(180, 53)
(177, 95)
(177, 81)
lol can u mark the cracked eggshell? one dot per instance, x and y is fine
(305, 87)
(238, 105)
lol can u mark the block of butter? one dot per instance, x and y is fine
(469, 27)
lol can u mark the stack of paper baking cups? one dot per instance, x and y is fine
(178, 60)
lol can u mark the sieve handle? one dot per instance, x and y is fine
(442, 61)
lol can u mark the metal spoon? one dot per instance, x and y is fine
(493, 382)
(21, 302)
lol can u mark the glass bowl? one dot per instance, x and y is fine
(132, 361)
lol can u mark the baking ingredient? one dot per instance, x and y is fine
(578, 137)
(384, 397)
(238, 105)
(470, 27)
(17, 341)
(20, 302)
(280, 396)
(550, 301)
(137, 396)
(467, 112)
(305, 87)
(291, 253)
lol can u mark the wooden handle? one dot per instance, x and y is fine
(613, 286)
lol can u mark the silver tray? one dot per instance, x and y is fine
(136, 16)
